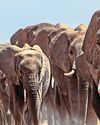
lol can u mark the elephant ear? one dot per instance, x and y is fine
(42, 40)
(90, 37)
(19, 38)
(37, 48)
(17, 60)
(15, 37)
(7, 54)
(59, 50)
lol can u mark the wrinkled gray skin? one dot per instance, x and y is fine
(30, 70)
(80, 66)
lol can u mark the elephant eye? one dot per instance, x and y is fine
(39, 70)
(71, 52)
(98, 39)
(98, 44)
(21, 72)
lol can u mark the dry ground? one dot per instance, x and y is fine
(45, 123)
(98, 122)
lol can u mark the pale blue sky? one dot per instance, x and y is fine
(15, 14)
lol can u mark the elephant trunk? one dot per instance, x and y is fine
(33, 99)
(72, 71)
(83, 100)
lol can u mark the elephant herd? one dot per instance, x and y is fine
(52, 71)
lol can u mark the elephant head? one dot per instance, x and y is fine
(33, 70)
(75, 50)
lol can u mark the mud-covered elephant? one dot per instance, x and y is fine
(81, 69)
(27, 68)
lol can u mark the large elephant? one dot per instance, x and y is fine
(60, 63)
(91, 48)
(27, 68)
(81, 69)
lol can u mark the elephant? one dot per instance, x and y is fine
(60, 63)
(27, 69)
(81, 69)
(91, 48)
(4, 101)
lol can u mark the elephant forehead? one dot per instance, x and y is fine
(29, 53)
(29, 63)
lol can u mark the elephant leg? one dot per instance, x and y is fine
(65, 111)
(3, 120)
(49, 115)
(95, 100)
(91, 116)
(83, 101)
(18, 104)
(49, 103)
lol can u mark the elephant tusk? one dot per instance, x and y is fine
(99, 87)
(24, 95)
(52, 83)
(70, 73)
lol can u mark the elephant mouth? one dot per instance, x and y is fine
(72, 72)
